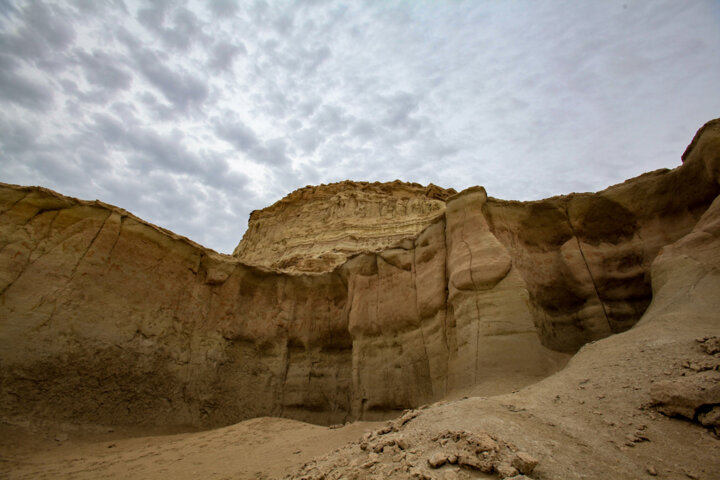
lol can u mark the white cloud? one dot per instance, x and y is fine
(191, 114)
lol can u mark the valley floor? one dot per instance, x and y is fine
(260, 448)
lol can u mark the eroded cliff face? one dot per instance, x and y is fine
(108, 319)
(586, 258)
(315, 229)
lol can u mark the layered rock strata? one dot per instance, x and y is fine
(106, 318)
(315, 229)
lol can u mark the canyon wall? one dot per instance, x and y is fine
(105, 318)
(586, 258)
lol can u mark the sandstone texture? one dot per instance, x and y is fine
(638, 404)
(108, 320)
(315, 229)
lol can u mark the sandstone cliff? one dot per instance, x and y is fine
(315, 229)
(108, 319)
(640, 404)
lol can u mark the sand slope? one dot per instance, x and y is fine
(258, 448)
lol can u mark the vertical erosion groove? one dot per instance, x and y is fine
(474, 295)
(420, 321)
(587, 266)
(446, 331)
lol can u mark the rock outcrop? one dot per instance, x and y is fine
(108, 319)
(603, 416)
(315, 229)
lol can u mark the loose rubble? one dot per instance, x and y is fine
(696, 394)
(390, 451)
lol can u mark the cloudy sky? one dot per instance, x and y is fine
(192, 114)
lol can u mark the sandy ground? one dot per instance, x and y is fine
(260, 448)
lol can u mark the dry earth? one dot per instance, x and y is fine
(260, 448)
(129, 352)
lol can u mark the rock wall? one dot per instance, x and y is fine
(315, 229)
(586, 258)
(108, 319)
(105, 318)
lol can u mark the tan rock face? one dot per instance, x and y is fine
(315, 229)
(411, 294)
(586, 258)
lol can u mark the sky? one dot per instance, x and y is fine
(193, 114)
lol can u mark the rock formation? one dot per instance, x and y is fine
(603, 416)
(105, 318)
(315, 229)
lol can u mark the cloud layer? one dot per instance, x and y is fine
(192, 114)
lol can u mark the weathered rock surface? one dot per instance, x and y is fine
(597, 418)
(315, 229)
(108, 319)
(696, 394)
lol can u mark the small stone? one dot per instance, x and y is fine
(651, 470)
(637, 437)
(418, 475)
(390, 449)
(505, 470)
(452, 459)
(524, 462)
(61, 437)
(385, 430)
(473, 462)
(711, 346)
(406, 417)
(710, 418)
(437, 460)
